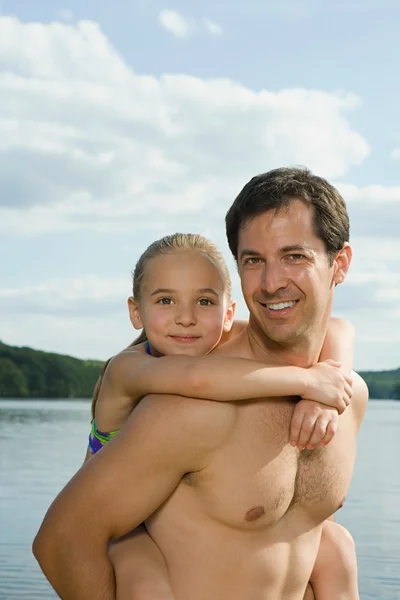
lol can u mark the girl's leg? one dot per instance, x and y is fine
(140, 569)
(334, 576)
(309, 594)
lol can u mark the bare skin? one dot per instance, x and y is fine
(236, 510)
(267, 534)
(308, 488)
(139, 566)
(334, 576)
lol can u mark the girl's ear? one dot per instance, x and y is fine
(229, 316)
(134, 313)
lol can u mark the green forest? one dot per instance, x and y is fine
(28, 373)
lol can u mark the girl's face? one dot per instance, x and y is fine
(183, 307)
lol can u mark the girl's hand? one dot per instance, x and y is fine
(312, 424)
(328, 385)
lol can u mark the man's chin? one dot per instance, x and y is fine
(281, 336)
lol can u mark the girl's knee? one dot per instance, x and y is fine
(335, 571)
(337, 541)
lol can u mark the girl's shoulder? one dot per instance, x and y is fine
(135, 349)
(127, 357)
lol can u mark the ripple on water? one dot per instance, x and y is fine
(43, 443)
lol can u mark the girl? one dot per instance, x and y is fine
(181, 300)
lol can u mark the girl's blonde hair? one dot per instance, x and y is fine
(178, 242)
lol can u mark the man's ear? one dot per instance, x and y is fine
(341, 263)
(229, 316)
(134, 313)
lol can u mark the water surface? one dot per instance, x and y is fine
(42, 443)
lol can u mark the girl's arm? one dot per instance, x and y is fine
(222, 378)
(133, 374)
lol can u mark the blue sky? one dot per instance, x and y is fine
(123, 121)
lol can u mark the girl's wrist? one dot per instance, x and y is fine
(304, 381)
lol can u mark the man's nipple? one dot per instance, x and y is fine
(254, 513)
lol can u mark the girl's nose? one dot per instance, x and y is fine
(185, 316)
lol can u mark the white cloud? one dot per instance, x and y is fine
(212, 27)
(88, 144)
(61, 292)
(374, 209)
(370, 194)
(175, 23)
(74, 334)
(105, 148)
(396, 153)
(83, 316)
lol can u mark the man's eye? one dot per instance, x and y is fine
(165, 301)
(205, 302)
(296, 256)
(252, 260)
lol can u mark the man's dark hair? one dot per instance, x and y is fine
(276, 190)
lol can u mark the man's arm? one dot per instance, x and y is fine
(122, 486)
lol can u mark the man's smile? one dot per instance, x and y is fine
(281, 308)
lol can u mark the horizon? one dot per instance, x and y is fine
(91, 358)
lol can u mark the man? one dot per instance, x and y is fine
(235, 509)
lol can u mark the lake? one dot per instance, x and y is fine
(42, 443)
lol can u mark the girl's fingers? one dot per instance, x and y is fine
(295, 426)
(348, 380)
(307, 430)
(318, 433)
(330, 432)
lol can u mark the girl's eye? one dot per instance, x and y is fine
(205, 302)
(164, 301)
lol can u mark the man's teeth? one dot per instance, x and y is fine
(281, 305)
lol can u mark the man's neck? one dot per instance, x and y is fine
(303, 352)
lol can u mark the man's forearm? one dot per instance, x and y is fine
(76, 574)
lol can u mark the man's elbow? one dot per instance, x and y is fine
(52, 547)
(36, 547)
(42, 549)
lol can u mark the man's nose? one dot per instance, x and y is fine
(273, 278)
(185, 315)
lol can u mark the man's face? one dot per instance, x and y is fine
(287, 280)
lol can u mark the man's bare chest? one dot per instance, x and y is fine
(257, 478)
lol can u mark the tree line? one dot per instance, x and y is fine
(28, 373)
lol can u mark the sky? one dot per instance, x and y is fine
(122, 122)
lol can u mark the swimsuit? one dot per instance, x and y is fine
(97, 439)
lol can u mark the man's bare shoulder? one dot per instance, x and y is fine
(238, 346)
(360, 397)
(202, 425)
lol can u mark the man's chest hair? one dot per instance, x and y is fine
(258, 470)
